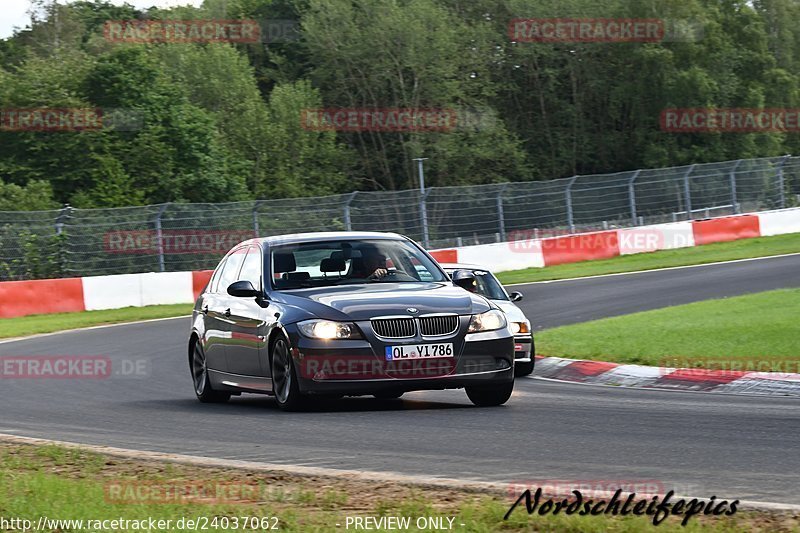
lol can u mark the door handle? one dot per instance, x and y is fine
(228, 312)
(205, 310)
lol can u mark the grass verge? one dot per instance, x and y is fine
(746, 330)
(63, 483)
(709, 253)
(33, 324)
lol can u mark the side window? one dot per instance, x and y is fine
(231, 269)
(252, 267)
(213, 284)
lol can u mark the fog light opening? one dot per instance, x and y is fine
(501, 364)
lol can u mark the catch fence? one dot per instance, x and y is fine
(176, 237)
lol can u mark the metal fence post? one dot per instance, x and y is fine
(423, 195)
(423, 209)
(62, 215)
(687, 193)
(632, 195)
(734, 200)
(159, 237)
(781, 182)
(501, 216)
(568, 199)
(256, 227)
(348, 224)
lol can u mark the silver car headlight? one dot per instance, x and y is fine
(489, 321)
(328, 329)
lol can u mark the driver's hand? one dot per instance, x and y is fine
(379, 273)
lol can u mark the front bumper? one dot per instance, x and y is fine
(359, 366)
(523, 348)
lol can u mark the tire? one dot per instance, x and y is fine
(284, 377)
(202, 385)
(523, 369)
(490, 397)
(388, 395)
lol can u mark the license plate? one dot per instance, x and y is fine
(419, 351)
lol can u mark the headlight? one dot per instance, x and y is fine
(326, 329)
(488, 321)
(520, 327)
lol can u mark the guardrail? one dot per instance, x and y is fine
(179, 237)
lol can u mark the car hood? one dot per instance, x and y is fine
(362, 302)
(513, 312)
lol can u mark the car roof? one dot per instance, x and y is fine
(468, 266)
(320, 236)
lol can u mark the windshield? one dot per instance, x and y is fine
(487, 285)
(344, 262)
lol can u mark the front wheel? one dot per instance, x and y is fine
(284, 378)
(490, 397)
(202, 385)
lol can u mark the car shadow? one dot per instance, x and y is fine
(350, 404)
(252, 403)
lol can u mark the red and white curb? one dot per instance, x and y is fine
(652, 377)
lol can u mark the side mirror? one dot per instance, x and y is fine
(465, 279)
(242, 289)
(515, 296)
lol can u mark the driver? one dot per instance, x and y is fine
(373, 264)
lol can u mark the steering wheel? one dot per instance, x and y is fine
(400, 276)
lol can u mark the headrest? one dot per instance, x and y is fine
(283, 262)
(332, 265)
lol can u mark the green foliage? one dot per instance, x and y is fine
(37, 257)
(37, 195)
(221, 122)
(301, 162)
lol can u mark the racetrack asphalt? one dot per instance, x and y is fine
(699, 444)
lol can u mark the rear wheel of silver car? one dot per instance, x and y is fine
(490, 397)
(523, 369)
(284, 378)
(202, 385)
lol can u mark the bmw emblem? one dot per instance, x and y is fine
(413, 310)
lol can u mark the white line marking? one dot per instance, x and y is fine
(717, 263)
(38, 335)
(494, 487)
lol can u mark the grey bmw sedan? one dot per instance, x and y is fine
(309, 316)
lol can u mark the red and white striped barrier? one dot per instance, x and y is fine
(21, 298)
(652, 377)
(537, 253)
